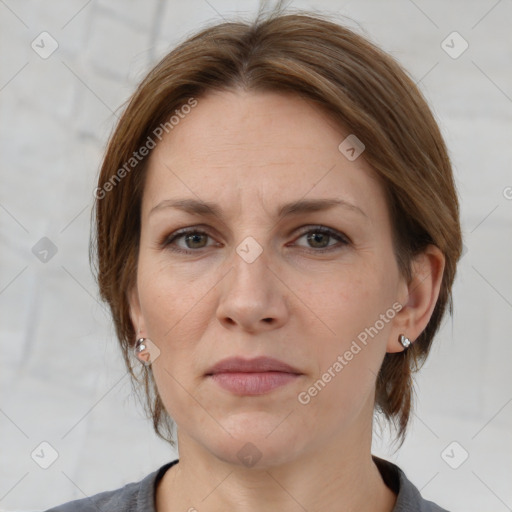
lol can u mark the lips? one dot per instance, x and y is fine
(250, 377)
(256, 365)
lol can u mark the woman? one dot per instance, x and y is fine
(277, 237)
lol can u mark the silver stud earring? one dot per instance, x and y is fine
(405, 341)
(141, 352)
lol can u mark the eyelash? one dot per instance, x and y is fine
(167, 241)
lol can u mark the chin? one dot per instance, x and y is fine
(256, 441)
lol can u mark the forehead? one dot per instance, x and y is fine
(264, 146)
(242, 122)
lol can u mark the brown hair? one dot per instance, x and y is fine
(361, 87)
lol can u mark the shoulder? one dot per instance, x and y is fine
(408, 496)
(133, 497)
(124, 498)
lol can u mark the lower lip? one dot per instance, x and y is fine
(244, 383)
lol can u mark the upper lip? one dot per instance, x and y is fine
(258, 364)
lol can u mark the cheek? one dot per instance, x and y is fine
(167, 296)
(344, 384)
(177, 312)
(356, 306)
(353, 298)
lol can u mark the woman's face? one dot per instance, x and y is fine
(316, 288)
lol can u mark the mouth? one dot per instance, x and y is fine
(250, 377)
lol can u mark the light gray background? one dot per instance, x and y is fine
(62, 380)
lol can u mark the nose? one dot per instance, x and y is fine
(252, 298)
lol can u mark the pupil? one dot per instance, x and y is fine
(317, 237)
(194, 238)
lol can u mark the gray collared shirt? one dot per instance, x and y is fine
(140, 496)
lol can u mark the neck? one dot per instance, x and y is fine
(328, 479)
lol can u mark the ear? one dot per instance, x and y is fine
(135, 312)
(419, 297)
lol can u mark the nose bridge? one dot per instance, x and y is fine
(250, 261)
(251, 229)
(254, 249)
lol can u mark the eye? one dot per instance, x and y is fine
(318, 238)
(193, 239)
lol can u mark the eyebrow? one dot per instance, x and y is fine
(209, 209)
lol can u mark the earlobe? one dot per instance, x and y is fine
(143, 348)
(422, 294)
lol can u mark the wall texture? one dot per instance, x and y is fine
(66, 67)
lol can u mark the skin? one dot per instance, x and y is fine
(250, 153)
